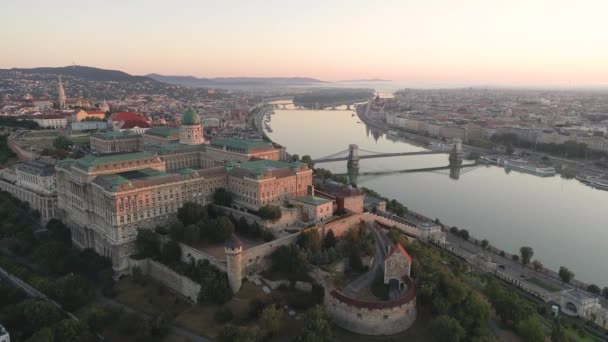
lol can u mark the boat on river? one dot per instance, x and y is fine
(521, 165)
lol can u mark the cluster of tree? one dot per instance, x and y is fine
(462, 233)
(290, 259)
(514, 311)
(215, 287)
(222, 197)
(195, 223)
(13, 122)
(129, 325)
(269, 212)
(149, 246)
(570, 148)
(253, 230)
(324, 174)
(62, 143)
(330, 97)
(393, 205)
(5, 152)
(37, 320)
(460, 313)
(268, 319)
(317, 326)
(54, 266)
(308, 161)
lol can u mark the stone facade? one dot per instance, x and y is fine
(112, 142)
(171, 279)
(34, 182)
(373, 318)
(397, 264)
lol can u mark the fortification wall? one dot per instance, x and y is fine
(258, 259)
(169, 278)
(373, 318)
(191, 253)
(406, 229)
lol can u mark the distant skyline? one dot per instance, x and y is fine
(492, 42)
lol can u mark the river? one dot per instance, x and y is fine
(564, 221)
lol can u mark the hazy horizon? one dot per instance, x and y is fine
(470, 42)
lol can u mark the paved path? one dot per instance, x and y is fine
(365, 280)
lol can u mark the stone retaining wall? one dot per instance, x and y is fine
(373, 318)
(169, 278)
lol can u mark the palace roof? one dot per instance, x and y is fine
(129, 180)
(259, 167)
(91, 160)
(241, 145)
(163, 131)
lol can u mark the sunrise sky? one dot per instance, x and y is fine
(469, 41)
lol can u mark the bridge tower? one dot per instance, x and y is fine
(456, 155)
(353, 156)
(353, 163)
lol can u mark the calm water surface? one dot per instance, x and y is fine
(564, 221)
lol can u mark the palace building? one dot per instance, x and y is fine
(106, 198)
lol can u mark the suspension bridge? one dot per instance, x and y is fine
(354, 154)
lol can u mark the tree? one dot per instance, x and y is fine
(594, 289)
(464, 234)
(565, 274)
(191, 213)
(330, 239)
(270, 320)
(509, 149)
(171, 252)
(222, 229)
(59, 231)
(192, 234)
(605, 292)
(148, 243)
(243, 226)
(223, 315)
(317, 326)
(526, 254)
(290, 259)
(538, 266)
(310, 240)
(269, 212)
(38, 313)
(43, 335)
(446, 329)
(222, 197)
(354, 260)
(62, 143)
(176, 231)
(71, 330)
(530, 330)
(484, 243)
(308, 161)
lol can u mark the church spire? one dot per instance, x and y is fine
(61, 91)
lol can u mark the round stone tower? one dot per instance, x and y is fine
(191, 129)
(234, 254)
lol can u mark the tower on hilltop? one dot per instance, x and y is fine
(191, 129)
(61, 97)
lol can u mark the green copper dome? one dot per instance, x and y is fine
(190, 117)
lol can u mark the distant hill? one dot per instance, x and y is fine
(365, 80)
(235, 82)
(84, 72)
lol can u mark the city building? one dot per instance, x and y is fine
(112, 141)
(237, 149)
(33, 181)
(161, 135)
(105, 198)
(48, 120)
(81, 114)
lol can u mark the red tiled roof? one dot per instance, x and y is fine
(128, 124)
(401, 250)
(130, 116)
(94, 112)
